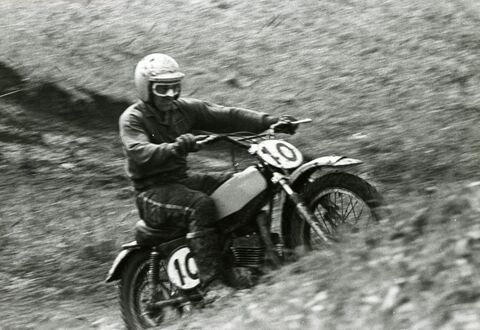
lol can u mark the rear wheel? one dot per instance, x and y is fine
(135, 294)
(341, 202)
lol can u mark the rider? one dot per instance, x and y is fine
(156, 137)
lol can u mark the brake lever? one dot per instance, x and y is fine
(204, 139)
(302, 121)
(280, 122)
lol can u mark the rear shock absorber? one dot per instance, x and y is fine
(154, 272)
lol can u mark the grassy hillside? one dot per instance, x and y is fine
(394, 83)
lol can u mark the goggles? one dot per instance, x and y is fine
(166, 89)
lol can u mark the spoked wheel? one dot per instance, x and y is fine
(342, 203)
(136, 294)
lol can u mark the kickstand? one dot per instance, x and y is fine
(271, 254)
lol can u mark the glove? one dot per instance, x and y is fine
(185, 143)
(284, 125)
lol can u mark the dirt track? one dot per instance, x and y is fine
(392, 83)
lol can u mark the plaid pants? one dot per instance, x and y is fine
(186, 205)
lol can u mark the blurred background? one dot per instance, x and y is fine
(394, 83)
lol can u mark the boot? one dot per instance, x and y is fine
(205, 247)
(217, 291)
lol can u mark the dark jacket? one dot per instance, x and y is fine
(146, 134)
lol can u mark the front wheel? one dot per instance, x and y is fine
(136, 296)
(341, 202)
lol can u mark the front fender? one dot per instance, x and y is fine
(301, 175)
(115, 270)
(308, 168)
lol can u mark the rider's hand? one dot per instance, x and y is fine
(285, 125)
(185, 143)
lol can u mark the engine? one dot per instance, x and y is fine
(248, 251)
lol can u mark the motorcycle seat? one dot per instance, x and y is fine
(148, 236)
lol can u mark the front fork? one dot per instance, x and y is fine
(300, 206)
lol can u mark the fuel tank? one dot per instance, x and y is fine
(240, 189)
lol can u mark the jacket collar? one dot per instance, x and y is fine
(161, 117)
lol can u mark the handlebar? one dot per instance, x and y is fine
(206, 139)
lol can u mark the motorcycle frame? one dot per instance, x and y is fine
(290, 183)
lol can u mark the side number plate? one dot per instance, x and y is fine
(182, 269)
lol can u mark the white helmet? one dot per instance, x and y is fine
(155, 68)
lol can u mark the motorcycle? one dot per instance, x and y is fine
(315, 202)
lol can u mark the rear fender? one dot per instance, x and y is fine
(120, 260)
